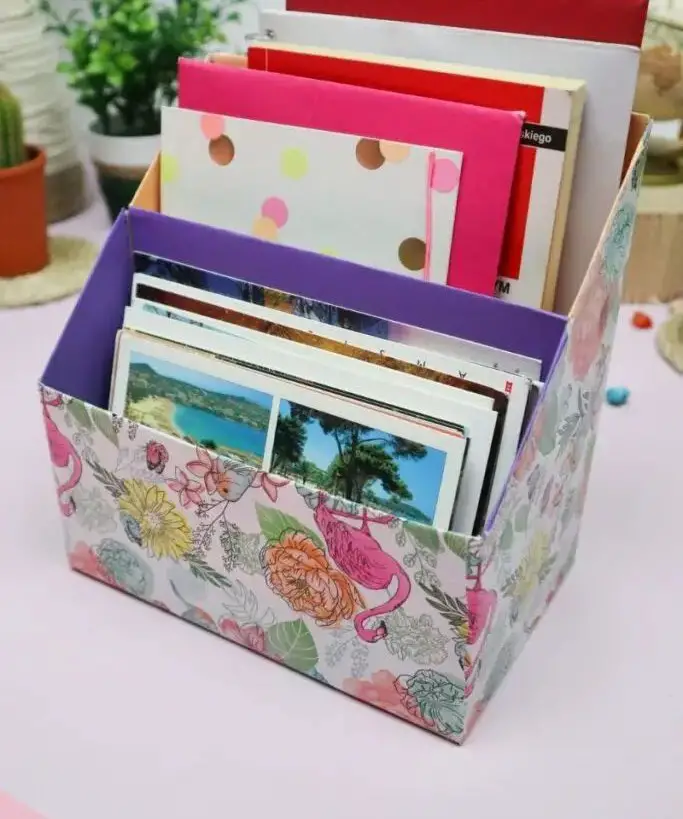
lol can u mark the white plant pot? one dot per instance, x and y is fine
(121, 162)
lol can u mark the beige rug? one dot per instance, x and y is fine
(669, 338)
(71, 260)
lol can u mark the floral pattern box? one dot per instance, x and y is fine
(304, 578)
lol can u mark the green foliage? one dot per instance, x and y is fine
(12, 150)
(293, 644)
(363, 457)
(124, 55)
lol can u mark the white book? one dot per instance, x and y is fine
(610, 72)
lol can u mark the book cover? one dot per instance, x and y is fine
(545, 166)
(602, 21)
(609, 71)
(385, 204)
(488, 140)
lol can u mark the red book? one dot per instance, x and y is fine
(542, 183)
(600, 21)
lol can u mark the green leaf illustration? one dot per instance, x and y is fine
(103, 422)
(506, 538)
(458, 544)
(273, 523)
(425, 536)
(547, 442)
(203, 571)
(80, 414)
(293, 644)
(522, 518)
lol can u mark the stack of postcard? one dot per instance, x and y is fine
(322, 395)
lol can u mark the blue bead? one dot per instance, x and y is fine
(617, 396)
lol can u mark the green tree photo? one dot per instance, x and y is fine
(364, 457)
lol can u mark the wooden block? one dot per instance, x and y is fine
(655, 271)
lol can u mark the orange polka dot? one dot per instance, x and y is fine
(368, 154)
(222, 150)
(265, 228)
(412, 253)
(394, 151)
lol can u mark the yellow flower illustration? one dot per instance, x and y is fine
(161, 529)
(527, 577)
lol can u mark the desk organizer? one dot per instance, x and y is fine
(300, 577)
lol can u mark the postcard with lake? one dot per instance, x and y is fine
(347, 448)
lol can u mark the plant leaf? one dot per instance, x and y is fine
(426, 536)
(202, 571)
(293, 644)
(103, 422)
(80, 414)
(458, 544)
(273, 523)
(522, 518)
(547, 441)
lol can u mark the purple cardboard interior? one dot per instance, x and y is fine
(390, 296)
(81, 362)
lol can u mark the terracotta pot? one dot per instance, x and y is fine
(23, 220)
(121, 162)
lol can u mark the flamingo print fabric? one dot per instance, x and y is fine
(355, 598)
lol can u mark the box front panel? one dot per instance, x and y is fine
(532, 541)
(350, 596)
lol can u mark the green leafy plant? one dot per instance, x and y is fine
(12, 150)
(124, 55)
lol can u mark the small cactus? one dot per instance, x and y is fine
(12, 149)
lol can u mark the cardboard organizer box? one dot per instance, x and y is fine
(421, 623)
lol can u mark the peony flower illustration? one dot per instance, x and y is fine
(163, 531)
(299, 572)
(129, 572)
(189, 492)
(269, 484)
(588, 327)
(252, 637)
(156, 456)
(438, 699)
(384, 691)
(84, 559)
(229, 483)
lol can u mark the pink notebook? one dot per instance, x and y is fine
(487, 138)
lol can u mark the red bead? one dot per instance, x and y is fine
(641, 320)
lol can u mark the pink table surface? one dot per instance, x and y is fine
(110, 709)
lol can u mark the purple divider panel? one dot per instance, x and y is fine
(81, 363)
(379, 293)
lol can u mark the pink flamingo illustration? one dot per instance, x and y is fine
(62, 453)
(361, 558)
(481, 605)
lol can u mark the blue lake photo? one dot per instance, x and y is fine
(220, 415)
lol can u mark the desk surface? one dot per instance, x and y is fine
(111, 709)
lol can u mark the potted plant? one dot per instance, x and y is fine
(23, 219)
(123, 67)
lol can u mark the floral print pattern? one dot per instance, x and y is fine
(251, 556)
(531, 543)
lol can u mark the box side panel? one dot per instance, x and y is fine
(353, 597)
(532, 541)
(81, 362)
